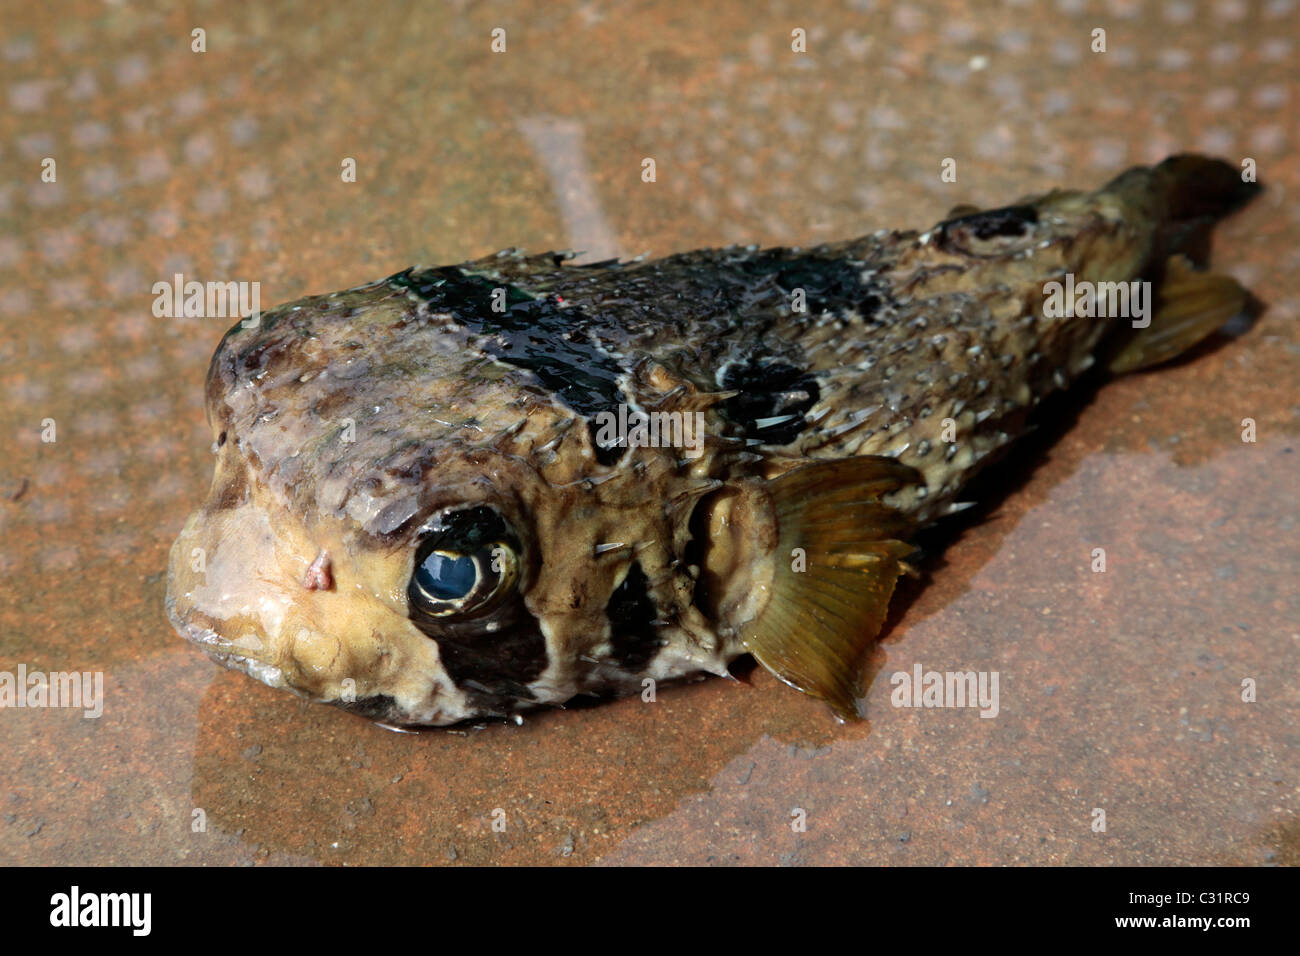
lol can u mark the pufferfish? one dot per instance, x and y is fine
(420, 513)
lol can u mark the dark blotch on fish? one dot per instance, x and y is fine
(494, 667)
(828, 284)
(769, 390)
(380, 707)
(537, 334)
(633, 635)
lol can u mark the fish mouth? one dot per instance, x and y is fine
(380, 708)
(236, 654)
(240, 587)
(246, 653)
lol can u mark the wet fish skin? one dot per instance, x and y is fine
(360, 432)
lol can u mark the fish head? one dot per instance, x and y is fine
(402, 527)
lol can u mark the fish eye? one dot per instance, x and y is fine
(447, 576)
(467, 560)
(989, 233)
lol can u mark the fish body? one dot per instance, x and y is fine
(464, 491)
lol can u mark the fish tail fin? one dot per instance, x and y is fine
(1200, 187)
(1185, 195)
(837, 559)
(1184, 189)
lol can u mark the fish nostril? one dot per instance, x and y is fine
(320, 574)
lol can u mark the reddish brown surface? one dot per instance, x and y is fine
(1119, 690)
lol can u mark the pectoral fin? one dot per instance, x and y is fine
(1191, 305)
(837, 559)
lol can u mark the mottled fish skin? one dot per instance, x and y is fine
(350, 427)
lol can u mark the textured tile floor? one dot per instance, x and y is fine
(1119, 691)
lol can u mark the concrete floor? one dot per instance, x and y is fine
(1119, 691)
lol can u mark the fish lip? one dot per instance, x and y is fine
(214, 647)
(377, 708)
(217, 648)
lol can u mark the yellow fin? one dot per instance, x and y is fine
(819, 621)
(1191, 306)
